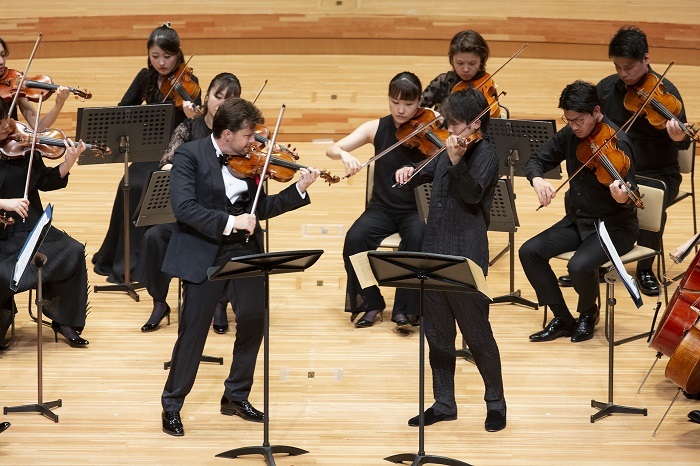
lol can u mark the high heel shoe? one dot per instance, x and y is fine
(366, 322)
(75, 342)
(152, 324)
(220, 316)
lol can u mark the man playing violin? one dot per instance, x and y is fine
(464, 179)
(212, 209)
(656, 150)
(586, 201)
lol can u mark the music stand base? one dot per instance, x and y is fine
(42, 408)
(514, 298)
(465, 353)
(499, 255)
(219, 360)
(129, 288)
(606, 409)
(417, 459)
(266, 452)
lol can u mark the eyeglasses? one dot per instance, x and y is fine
(574, 122)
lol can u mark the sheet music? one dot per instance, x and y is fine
(360, 263)
(30, 246)
(614, 257)
(479, 279)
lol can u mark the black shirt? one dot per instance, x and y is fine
(654, 150)
(587, 199)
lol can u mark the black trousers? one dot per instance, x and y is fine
(648, 238)
(368, 231)
(248, 298)
(148, 269)
(536, 252)
(471, 312)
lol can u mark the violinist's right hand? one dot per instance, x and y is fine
(544, 190)
(189, 109)
(352, 165)
(21, 206)
(403, 174)
(244, 222)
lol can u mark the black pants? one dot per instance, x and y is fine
(148, 269)
(368, 231)
(248, 298)
(653, 239)
(536, 252)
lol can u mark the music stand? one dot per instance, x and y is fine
(614, 275)
(423, 271)
(137, 133)
(265, 265)
(515, 141)
(154, 209)
(30, 252)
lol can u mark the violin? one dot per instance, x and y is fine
(281, 167)
(181, 86)
(49, 143)
(663, 106)
(33, 87)
(599, 152)
(429, 140)
(262, 136)
(487, 87)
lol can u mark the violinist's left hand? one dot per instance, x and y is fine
(73, 151)
(189, 109)
(454, 150)
(674, 130)
(62, 94)
(306, 177)
(618, 192)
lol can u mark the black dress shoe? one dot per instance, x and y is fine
(495, 421)
(74, 341)
(172, 425)
(220, 323)
(555, 329)
(647, 282)
(366, 322)
(241, 408)
(585, 327)
(694, 416)
(430, 417)
(160, 311)
(401, 320)
(4, 426)
(565, 281)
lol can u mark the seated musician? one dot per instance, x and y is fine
(587, 200)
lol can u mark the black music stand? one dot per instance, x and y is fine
(423, 271)
(614, 275)
(137, 133)
(515, 141)
(30, 251)
(264, 265)
(155, 209)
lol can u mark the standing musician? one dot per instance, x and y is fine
(585, 202)
(656, 150)
(464, 180)
(25, 106)
(213, 223)
(64, 275)
(468, 55)
(155, 243)
(389, 210)
(164, 57)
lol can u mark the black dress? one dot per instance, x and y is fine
(109, 259)
(64, 274)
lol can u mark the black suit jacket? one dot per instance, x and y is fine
(200, 205)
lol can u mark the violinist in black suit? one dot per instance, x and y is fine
(212, 207)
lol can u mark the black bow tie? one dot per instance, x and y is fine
(222, 159)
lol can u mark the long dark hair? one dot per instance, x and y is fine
(469, 42)
(167, 39)
(227, 83)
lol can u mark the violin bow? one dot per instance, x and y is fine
(31, 154)
(503, 65)
(24, 75)
(267, 162)
(259, 92)
(397, 143)
(425, 162)
(177, 78)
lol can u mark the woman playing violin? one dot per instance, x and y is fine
(155, 243)
(64, 274)
(655, 149)
(164, 56)
(586, 201)
(468, 55)
(464, 180)
(24, 105)
(389, 210)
